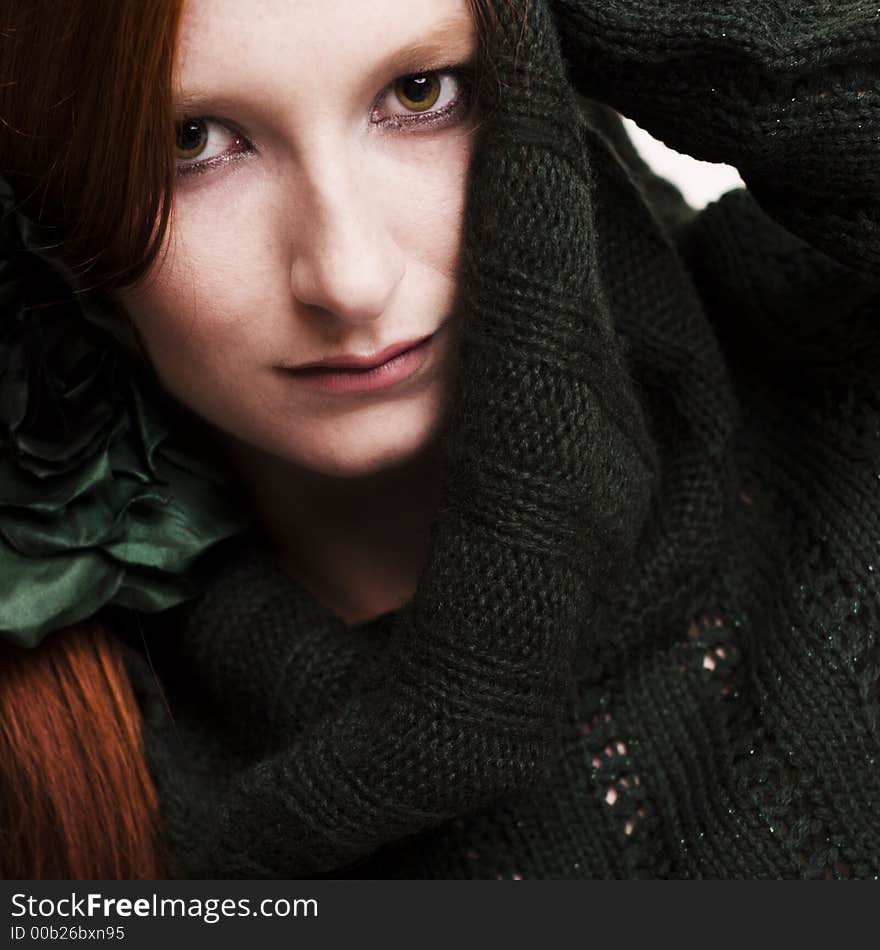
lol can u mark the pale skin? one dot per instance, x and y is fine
(325, 233)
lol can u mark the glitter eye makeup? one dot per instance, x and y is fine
(416, 89)
(430, 100)
(192, 136)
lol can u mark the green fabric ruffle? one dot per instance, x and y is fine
(100, 503)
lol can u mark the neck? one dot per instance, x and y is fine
(358, 544)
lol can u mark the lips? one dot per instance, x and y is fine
(357, 363)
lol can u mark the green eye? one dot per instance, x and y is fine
(418, 92)
(191, 137)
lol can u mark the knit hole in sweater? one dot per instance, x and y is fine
(621, 787)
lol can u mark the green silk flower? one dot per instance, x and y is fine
(110, 491)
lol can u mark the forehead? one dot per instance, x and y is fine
(229, 39)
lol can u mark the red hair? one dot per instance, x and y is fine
(85, 137)
(85, 93)
(78, 800)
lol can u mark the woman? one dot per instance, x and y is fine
(582, 584)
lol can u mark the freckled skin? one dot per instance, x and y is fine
(329, 237)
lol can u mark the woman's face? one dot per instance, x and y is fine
(317, 215)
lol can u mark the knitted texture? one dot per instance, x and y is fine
(644, 642)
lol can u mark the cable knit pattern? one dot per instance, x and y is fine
(644, 643)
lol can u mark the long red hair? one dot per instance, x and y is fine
(84, 99)
(87, 141)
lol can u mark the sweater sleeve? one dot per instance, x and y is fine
(787, 91)
(547, 486)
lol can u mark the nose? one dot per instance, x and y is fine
(345, 259)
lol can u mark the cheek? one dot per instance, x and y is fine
(199, 306)
(429, 207)
(188, 343)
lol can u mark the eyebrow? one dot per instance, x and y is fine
(452, 40)
(458, 34)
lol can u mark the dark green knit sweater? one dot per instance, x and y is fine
(645, 640)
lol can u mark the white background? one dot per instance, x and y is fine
(699, 182)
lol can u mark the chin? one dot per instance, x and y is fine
(361, 462)
(370, 450)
